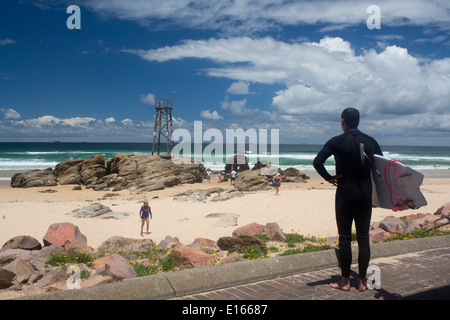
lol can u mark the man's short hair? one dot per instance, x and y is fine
(351, 117)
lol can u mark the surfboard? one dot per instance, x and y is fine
(396, 186)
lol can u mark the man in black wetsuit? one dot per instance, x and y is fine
(353, 152)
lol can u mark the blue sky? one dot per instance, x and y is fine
(287, 65)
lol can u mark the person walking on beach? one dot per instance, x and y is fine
(145, 213)
(354, 153)
(276, 181)
(208, 175)
(233, 177)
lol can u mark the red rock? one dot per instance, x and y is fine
(187, 256)
(249, 229)
(206, 245)
(59, 233)
(22, 270)
(444, 210)
(52, 277)
(234, 256)
(118, 268)
(100, 262)
(273, 231)
(378, 234)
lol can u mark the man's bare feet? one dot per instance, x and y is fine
(362, 285)
(343, 284)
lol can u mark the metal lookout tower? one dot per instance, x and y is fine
(163, 124)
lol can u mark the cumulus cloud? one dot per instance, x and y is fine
(9, 113)
(239, 87)
(210, 115)
(149, 99)
(322, 76)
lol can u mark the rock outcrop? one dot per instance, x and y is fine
(138, 173)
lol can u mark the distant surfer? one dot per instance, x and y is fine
(353, 152)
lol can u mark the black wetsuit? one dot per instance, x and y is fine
(353, 152)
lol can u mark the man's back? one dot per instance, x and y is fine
(353, 152)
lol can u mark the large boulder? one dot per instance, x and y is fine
(122, 244)
(273, 231)
(251, 180)
(34, 178)
(186, 256)
(21, 269)
(241, 243)
(119, 268)
(68, 172)
(249, 229)
(6, 278)
(59, 233)
(93, 169)
(22, 242)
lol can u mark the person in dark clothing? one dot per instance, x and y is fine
(353, 152)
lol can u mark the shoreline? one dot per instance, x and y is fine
(306, 208)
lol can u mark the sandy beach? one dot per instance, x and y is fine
(306, 208)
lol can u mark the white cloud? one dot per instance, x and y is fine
(324, 76)
(237, 107)
(210, 115)
(127, 122)
(239, 87)
(9, 113)
(249, 16)
(110, 120)
(149, 99)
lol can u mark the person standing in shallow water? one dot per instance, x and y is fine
(354, 153)
(145, 214)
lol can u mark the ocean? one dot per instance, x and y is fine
(22, 156)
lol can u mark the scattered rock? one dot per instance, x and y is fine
(10, 255)
(186, 256)
(251, 180)
(39, 258)
(392, 225)
(34, 178)
(241, 243)
(122, 244)
(51, 277)
(22, 270)
(118, 268)
(232, 257)
(90, 211)
(378, 234)
(22, 242)
(249, 229)
(6, 278)
(273, 231)
(168, 242)
(59, 233)
(206, 245)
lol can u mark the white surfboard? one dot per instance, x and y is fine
(396, 186)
